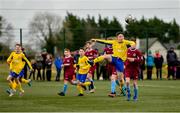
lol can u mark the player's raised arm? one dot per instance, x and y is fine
(103, 41)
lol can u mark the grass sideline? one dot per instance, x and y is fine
(154, 96)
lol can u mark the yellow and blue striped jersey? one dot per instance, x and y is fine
(119, 48)
(16, 62)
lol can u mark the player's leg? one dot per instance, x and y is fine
(102, 57)
(119, 64)
(135, 89)
(80, 89)
(113, 86)
(29, 81)
(89, 77)
(82, 82)
(135, 78)
(128, 88)
(18, 81)
(63, 92)
(12, 84)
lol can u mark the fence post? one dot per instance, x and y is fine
(21, 37)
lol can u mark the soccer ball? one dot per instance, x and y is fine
(129, 19)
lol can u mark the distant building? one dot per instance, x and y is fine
(153, 45)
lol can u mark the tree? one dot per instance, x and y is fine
(45, 27)
(74, 31)
(154, 27)
(6, 32)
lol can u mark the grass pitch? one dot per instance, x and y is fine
(155, 95)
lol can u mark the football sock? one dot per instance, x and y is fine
(86, 83)
(128, 89)
(113, 86)
(65, 88)
(80, 89)
(98, 59)
(13, 85)
(24, 80)
(135, 91)
(20, 87)
(128, 92)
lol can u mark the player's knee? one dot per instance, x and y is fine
(113, 78)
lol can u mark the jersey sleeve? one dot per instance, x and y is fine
(127, 42)
(104, 41)
(29, 64)
(10, 58)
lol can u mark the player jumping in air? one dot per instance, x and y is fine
(118, 58)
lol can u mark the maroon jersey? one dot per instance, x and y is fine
(132, 68)
(133, 53)
(91, 54)
(108, 50)
(68, 70)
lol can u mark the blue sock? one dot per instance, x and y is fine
(128, 89)
(128, 92)
(113, 86)
(65, 88)
(135, 92)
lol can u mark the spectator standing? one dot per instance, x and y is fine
(171, 60)
(142, 67)
(58, 62)
(44, 55)
(150, 64)
(39, 60)
(158, 61)
(48, 67)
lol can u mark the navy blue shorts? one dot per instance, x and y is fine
(15, 75)
(81, 77)
(118, 63)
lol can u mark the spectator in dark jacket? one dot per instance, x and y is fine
(48, 67)
(44, 55)
(171, 60)
(39, 60)
(158, 61)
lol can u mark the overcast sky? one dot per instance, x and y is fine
(20, 12)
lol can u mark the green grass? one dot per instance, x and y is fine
(154, 96)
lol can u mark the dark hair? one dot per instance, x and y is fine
(18, 45)
(82, 48)
(118, 33)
